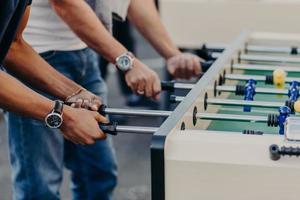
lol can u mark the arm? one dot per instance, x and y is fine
(144, 15)
(79, 126)
(89, 29)
(15, 97)
(23, 62)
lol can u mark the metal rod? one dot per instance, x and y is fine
(144, 113)
(229, 117)
(257, 90)
(263, 58)
(242, 77)
(136, 129)
(176, 99)
(258, 48)
(269, 49)
(233, 102)
(185, 86)
(265, 67)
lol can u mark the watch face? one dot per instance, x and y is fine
(124, 63)
(54, 120)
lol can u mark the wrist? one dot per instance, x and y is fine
(172, 53)
(125, 61)
(54, 118)
(79, 90)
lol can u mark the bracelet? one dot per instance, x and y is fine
(74, 93)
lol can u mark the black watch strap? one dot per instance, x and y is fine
(58, 107)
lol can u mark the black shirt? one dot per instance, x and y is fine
(11, 12)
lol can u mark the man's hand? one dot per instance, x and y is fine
(142, 80)
(81, 126)
(84, 99)
(184, 66)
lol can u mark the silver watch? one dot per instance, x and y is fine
(125, 61)
(54, 119)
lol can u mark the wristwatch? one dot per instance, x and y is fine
(125, 61)
(54, 119)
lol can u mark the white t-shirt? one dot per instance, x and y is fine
(46, 31)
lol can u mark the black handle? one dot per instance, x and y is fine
(276, 152)
(110, 128)
(101, 109)
(168, 85)
(207, 53)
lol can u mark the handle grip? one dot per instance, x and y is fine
(110, 128)
(276, 152)
(168, 85)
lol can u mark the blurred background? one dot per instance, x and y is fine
(190, 23)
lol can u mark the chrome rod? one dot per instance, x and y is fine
(265, 67)
(242, 77)
(259, 48)
(269, 49)
(136, 129)
(233, 102)
(144, 113)
(257, 90)
(186, 86)
(176, 99)
(229, 117)
(263, 58)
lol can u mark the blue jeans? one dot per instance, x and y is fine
(38, 154)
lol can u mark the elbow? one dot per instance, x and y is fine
(15, 49)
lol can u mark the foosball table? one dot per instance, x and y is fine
(236, 134)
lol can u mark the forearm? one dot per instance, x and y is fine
(15, 97)
(88, 27)
(24, 63)
(144, 15)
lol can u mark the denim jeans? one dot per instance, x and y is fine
(39, 154)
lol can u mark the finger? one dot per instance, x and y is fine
(183, 68)
(197, 66)
(141, 87)
(181, 73)
(99, 118)
(100, 135)
(129, 82)
(95, 104)
(148, 87)
(85, 104)
(89, 142)
(73, 105)
(86, 139)
(134, 86)
(72, 139)
(78, 103)
(177, 68)
(171, 65)
(156, 88)
(189, 67)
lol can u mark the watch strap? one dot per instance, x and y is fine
(58, 107)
